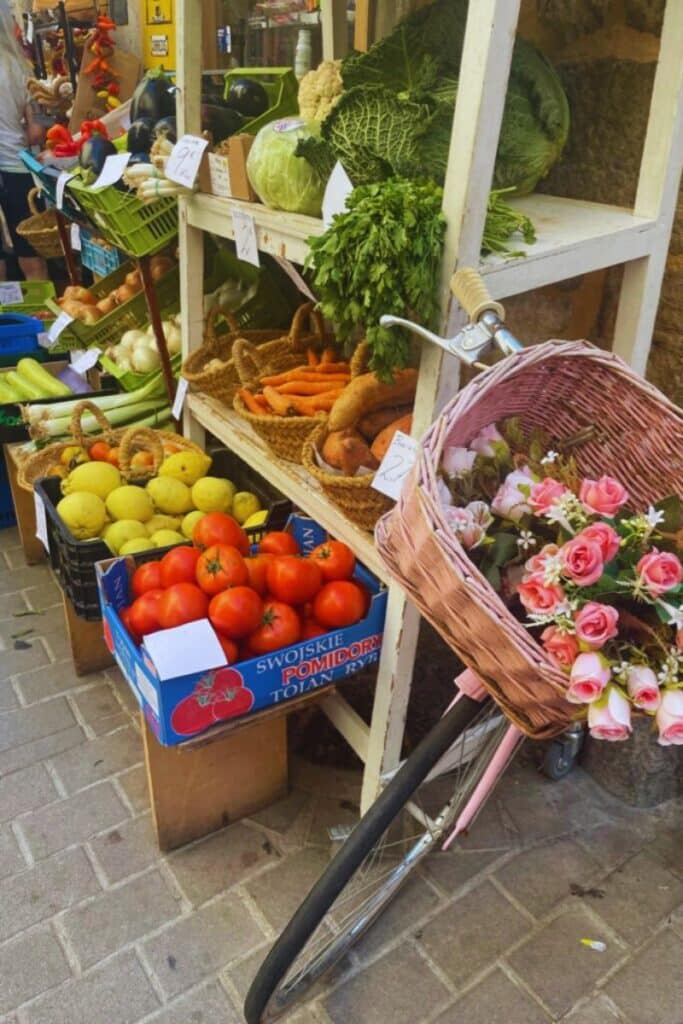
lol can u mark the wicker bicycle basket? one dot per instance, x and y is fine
(40, 229)
(561, 387)
(284, 435)
(42, 462)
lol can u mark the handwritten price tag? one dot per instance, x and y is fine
(41, 521)
(294, 275)
(60, 324)
(396, 464)
(338, 190)
(113, 168)
(183, 163)
(219, 172)
(245, 237)
(62, 181)
(84, 361)
(10, 293)
(179, 401)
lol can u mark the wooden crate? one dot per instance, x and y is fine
(34, 552)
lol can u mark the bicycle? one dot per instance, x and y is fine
(473, 742)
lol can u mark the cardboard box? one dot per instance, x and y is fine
(182, 706)
(226, 176)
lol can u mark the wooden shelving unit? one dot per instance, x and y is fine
(574, 238)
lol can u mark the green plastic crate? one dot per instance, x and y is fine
(137, 228)
(125, 317)
(131, 381)
(36, 295)
(283, 93)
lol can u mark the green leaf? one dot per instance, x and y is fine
(673, 515)
(504, 549)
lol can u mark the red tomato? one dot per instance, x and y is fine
(339, 603)
(311, 628)
(280, 627)
(143, 614)
(193, 713)
(230, 648)
(236, 612)
(279, 542)
(181, 603)
(219, 528)
(220, 567)
(256, 567)
(336, 560)
(179, 565)
(293, 580)
(125, 619)
(146, 577)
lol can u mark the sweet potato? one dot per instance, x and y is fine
(374, 422)
(366, 393)
(380, 445)
(347, 451)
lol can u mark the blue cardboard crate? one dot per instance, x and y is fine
(19, 336)
(7, 516)
(269, 679)
(101, 258)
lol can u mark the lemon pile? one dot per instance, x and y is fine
(98, 503)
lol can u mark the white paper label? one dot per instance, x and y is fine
(246, 245)
(10, 293)
(294, 275)
(62, 182)
(186, 156)
(44, 340)
(75, 238)
(29, 29)
(81, 362)
(41, 521)
(60, 324)
(179, 400)
(338, 190)
(147, 690)
(182, 650)
(396, 464)
(114, 166)
(219, 173)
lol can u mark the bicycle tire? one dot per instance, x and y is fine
(259, 1004)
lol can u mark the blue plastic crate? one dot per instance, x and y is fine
(18, 336)
(98, 256)
(7, 516)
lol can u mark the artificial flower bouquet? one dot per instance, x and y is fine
(600, 584)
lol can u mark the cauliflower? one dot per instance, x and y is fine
(319, 90)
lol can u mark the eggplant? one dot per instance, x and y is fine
(151, 99)
(166, 127)
(247, 97)
(140, 135)
(94, 152)
(220, 121)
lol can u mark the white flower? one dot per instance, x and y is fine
(654, 517)
(549, 458)
(526, 540)
(675, 614)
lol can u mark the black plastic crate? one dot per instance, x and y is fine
(73, 560)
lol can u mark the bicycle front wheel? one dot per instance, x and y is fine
(378, 857)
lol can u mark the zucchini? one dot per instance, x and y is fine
(34, 373)
(6, 392)
(25, 391)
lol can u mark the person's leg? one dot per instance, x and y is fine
(34, 268)
(15, 189)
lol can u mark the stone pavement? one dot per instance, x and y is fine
(97, 928)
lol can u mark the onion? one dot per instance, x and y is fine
(133, 280)
(124, 293)
(173, 340)
(106, 305)
(145, 359)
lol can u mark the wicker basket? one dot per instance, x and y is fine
(285, 435)
(561, 387)
(38, 465)
(40, 229)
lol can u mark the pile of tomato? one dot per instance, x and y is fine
(257, 603)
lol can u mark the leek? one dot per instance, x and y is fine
(56, 426)
(154, 388)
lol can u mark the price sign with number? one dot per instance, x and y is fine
(60, 324)
(183, 163)
(10, 293)
(396, 464)
(219, 172)
(111, 172)
(246, 244)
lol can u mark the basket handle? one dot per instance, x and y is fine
(471, 292)
(76, 425)
(232, 320)
(305, 314)
(247, 361)
(143, 438)
(31, 199)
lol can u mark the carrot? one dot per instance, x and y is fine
(313, 404)
(274, 380)
(328, 356)
(312, 357)
(282, 378)
(307, 387)
(262, 403)
(280, 404)
(250, 402)
(333, 368)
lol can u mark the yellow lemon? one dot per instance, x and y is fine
(118, 534)
(83, 513)
(131, 547)
(164, 538)
(244, 505)
(190, 521)
(130, 502)
(257, 519)
(170, 496)
(187, 467)
(212, 494)
(159, 522)
(73, 456)
(99, 478)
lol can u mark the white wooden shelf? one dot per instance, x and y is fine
(291, 479)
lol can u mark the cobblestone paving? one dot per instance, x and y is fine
(97, 928)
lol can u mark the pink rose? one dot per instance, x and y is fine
(659, 571)
(545, 494)
(605, 536)
(537, 564)
(539, 599)
(596, 624)
(582, 561)
(562, 647)
(463, 524)
(643, 688)
(457, 461)
(610, 717)
(589, 676)
(604, 496)
(511, 501)
(670, 718)
(485, 441)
